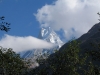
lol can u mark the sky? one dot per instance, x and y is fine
(69, 18)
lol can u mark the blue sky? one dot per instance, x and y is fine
(20, 14)
(69, 18)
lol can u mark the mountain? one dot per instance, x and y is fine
(48, 35)
(92, 36)
(56, 63)
(94, 30)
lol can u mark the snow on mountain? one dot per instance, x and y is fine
(48, 35)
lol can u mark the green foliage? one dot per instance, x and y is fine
(69, 62)
(4, 26)
(66, 61)
(11, 63)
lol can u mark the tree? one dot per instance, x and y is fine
(11, 63)
(4, 26)
(68, 62)
(64, 62)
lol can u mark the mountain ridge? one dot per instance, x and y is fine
(56, 63)
(48, 35)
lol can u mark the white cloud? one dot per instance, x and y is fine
(19, 44)
(75, 17)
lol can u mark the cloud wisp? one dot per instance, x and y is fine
(19, 44)
(75, 17)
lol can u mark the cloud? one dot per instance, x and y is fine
(75, 17)
(19, 44)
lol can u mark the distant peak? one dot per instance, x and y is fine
(49, 35)
(44, 32)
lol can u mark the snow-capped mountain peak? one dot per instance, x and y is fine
(44, 32)
(50, 36)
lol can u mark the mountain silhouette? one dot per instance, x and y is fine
(87, 39)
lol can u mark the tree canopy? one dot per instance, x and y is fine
(11, 63)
